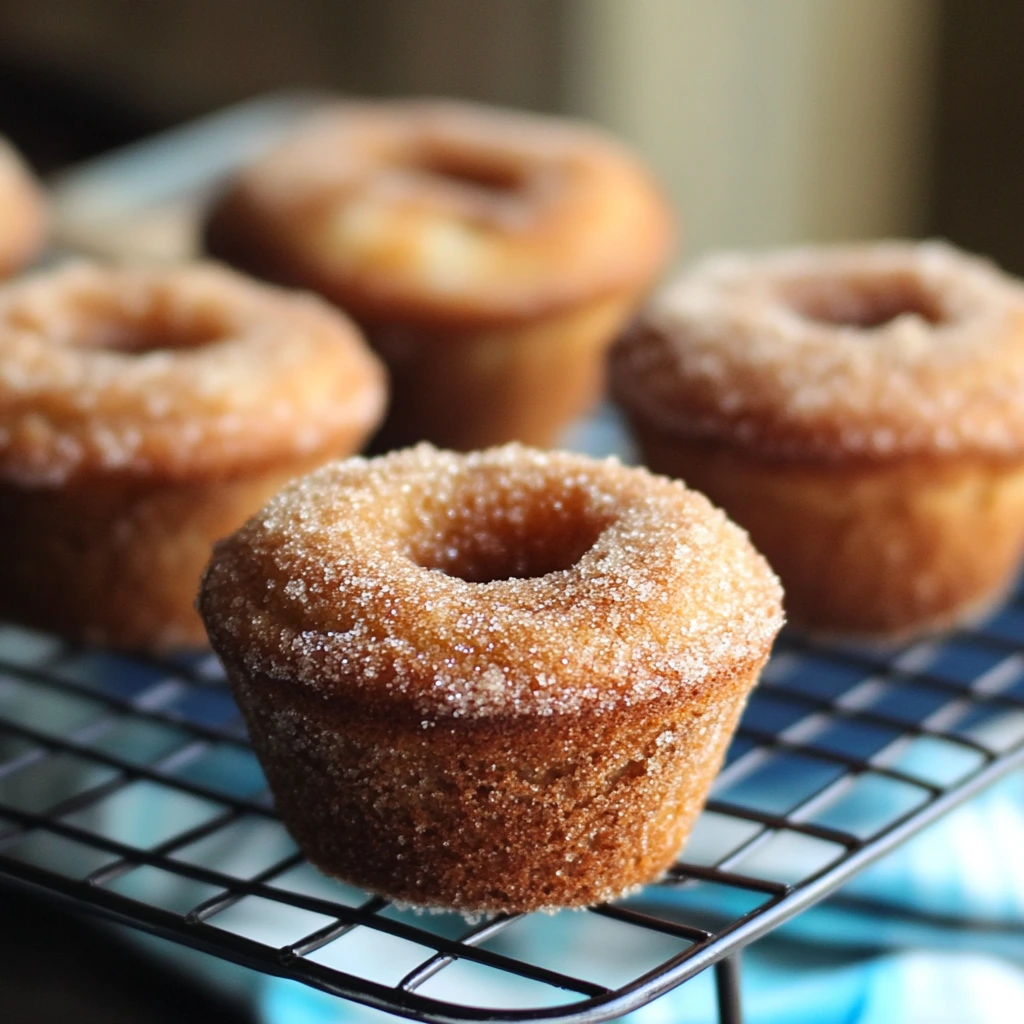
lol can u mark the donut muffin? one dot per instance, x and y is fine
(860, 410)
(23, 214)
(490, 256)
(499, 681)
(143, 415)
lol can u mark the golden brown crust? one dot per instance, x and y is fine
(186, 373)
(493, 815)
(23, 213)
(524, 668)
(445, 214)
(874, 549)
(860, 352)
(118, 562)
(470, 390)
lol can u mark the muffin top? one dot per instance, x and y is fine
(867, 351)
(440, 211)
(502, 583)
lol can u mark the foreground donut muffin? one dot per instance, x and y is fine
(500, 681)
(143, 415)
(491, 256)
(860, 410)
(23, 213)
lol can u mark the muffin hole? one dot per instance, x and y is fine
(470, 170)
(864, 303)
(140, 338)
(153, 330)
(496, 536)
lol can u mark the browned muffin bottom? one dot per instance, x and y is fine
(490, 255)
(859, 410)
(143, 415)
(500, 681)
(23, 213)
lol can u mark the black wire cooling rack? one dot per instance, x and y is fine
(127, 789)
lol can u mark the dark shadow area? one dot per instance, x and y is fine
(56, 968)
(977, 188)
(57, 121)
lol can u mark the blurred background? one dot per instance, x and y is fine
(768, 122)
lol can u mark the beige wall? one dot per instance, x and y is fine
(770, 121)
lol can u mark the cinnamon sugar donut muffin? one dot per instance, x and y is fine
(23, 217)
(500, 681)
(490, 255)
(143, 415)
(860, 410)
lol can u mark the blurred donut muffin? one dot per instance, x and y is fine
(491, 256)
(500, 681)
(860, 410)
(143, 415)
(23, 213)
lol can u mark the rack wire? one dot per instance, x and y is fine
(128, 790)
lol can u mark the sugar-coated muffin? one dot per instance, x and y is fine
(860, 410)
(495, 681)
(143, 415)
(491, 256)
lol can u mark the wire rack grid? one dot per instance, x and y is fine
(127, 788)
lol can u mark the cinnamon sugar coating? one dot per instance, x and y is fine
(866, 352)
(23, 213)
(143, 415)
(187, 373)
(495, 681)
